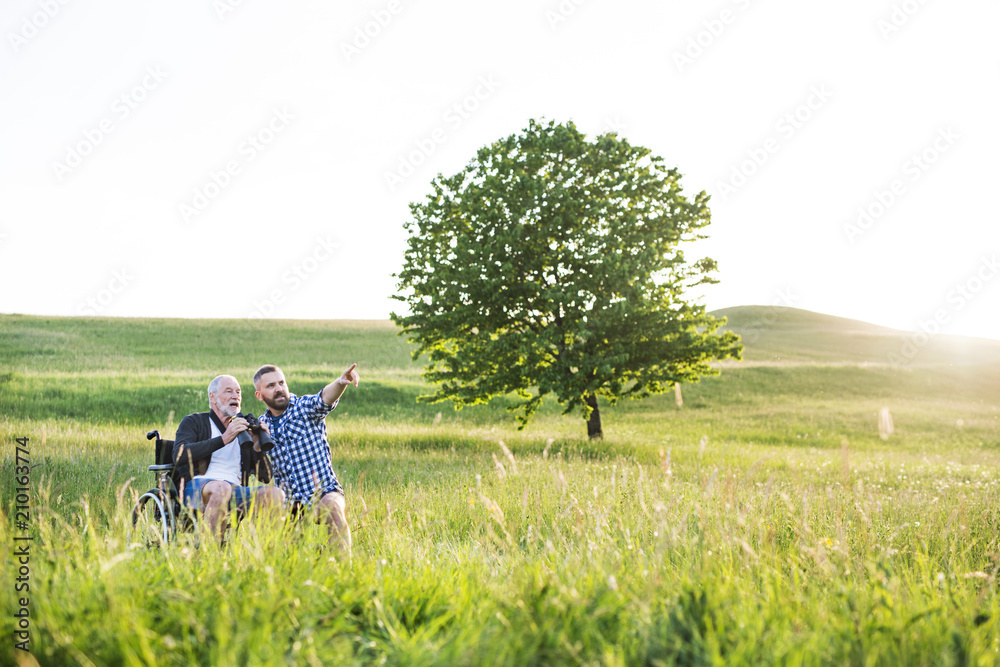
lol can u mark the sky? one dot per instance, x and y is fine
(241, 158)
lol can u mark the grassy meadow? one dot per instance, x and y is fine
(762, 522)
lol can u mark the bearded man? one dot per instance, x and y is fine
(301, 454)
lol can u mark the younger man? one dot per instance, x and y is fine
(301, 455)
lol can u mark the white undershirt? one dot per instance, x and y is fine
(225, 463)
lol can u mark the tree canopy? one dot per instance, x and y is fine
(551, 265)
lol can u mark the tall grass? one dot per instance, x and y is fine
(837, 559)
(765, 522)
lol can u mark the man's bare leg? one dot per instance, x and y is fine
(331, 509)
(215, 495)
(269, 504)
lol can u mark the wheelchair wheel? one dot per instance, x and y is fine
(153, 519)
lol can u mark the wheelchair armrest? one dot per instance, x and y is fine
(168, 466)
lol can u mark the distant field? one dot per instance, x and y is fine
(764, 521)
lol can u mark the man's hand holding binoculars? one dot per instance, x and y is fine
(247, 430)
(236, 426)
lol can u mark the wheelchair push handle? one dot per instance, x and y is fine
(152, 434)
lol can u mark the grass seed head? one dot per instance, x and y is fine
(510, 457)
(885, 427)
(501, 471)
(548, 443)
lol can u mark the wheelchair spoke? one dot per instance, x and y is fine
(153, 520)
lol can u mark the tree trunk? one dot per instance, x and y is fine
(594, 423)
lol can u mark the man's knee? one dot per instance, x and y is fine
(270, 496)
(333, 507)
(216, 493)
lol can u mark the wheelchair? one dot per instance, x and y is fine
(158, 513)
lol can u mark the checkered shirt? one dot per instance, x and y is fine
(300, 459)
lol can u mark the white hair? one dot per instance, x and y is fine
(213, 386)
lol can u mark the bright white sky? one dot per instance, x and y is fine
(114, 113)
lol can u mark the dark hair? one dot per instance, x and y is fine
(262, 371)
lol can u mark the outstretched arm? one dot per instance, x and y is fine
(332, 392)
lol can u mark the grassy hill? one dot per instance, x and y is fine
(803, 373)
(799, 367)
(770, 334)
(136, 345)
(777, 334)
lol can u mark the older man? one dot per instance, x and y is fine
(301, 454)
(211, 467)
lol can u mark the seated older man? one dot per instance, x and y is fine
(211, 469)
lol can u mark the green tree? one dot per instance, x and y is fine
(550, 265)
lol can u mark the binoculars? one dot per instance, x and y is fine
(244, 438)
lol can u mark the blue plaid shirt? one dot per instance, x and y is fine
(300, 459)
